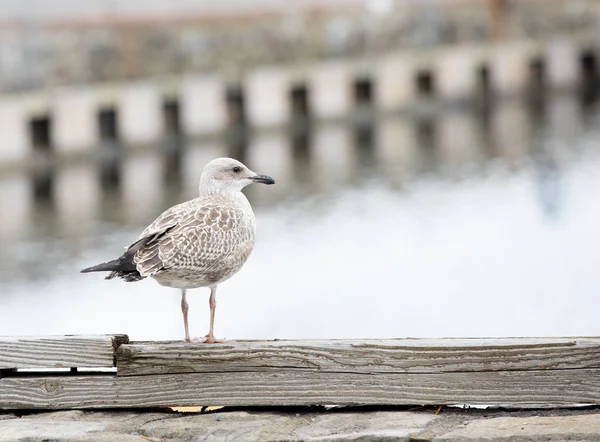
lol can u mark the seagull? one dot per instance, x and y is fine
(198, 243)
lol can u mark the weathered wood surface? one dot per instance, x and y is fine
(361, 356)
(509, 388)
(59, 351)
(500, 372)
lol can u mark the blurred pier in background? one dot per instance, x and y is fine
(73, 86)
(124, 184)
(74, 120)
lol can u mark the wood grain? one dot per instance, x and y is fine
(499, 372)
(361, 356)
(59, 351)
(293, 387)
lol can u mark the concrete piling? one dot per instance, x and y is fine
(330, 93)
(75, 126)
(563, 72)
(510, 66)
(140, 113)
(15, 136)
(457, 73)
(394, 82)
(203, 105)
(268, 97)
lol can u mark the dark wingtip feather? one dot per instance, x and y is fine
(87, 270)
(104, 267)
(118, 268)
(123, 267)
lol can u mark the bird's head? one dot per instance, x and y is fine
(229, 175)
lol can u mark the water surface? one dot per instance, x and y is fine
(456, 225)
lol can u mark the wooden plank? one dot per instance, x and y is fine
(361, 356)
(294, 387)
(59, 351)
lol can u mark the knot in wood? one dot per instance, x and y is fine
(51, 386)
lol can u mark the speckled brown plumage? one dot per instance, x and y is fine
(198, 243)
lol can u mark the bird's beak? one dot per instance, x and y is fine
(264, 179)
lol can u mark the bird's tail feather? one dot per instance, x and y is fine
(108, 266)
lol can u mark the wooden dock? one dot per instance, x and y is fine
(77, 372)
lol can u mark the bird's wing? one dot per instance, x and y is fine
(197, 237)
(168, 219)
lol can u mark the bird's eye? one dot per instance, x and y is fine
(237, 169)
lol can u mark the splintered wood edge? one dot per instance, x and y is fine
(119, 340)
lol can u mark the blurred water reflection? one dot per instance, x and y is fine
(459, 224)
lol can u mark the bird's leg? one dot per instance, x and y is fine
(184, 309)
(210, 337)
